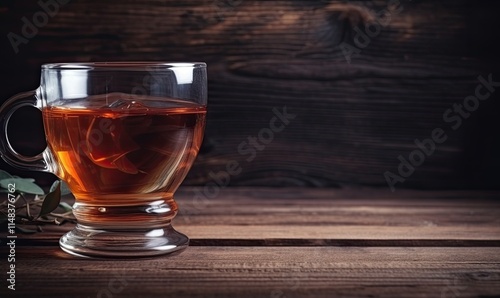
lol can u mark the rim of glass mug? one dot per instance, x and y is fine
(121, 65)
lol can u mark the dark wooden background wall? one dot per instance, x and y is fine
(352, 120)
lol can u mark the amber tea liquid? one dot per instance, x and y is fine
(127, 157)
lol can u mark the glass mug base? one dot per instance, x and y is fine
(86, 241)
(122, 230)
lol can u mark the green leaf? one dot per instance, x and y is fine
(4, 175)
(64, 187)
(65, 206)
(22, 185)
(54, 185)
(51, 201)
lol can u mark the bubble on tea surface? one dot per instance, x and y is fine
(123, 104)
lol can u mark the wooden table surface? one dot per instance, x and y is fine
(292, 242)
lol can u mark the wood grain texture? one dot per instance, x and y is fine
(329, 217)
(292, 242)
(352, 120)
(266, 272)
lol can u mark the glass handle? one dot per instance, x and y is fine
(41, 162)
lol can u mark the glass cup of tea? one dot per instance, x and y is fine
(123, 136)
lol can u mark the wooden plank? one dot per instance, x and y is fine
(342, 217)
(312, 217)
(225, 235)
(299, 206)
(265, 272)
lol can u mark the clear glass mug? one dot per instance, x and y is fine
(123, 136)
